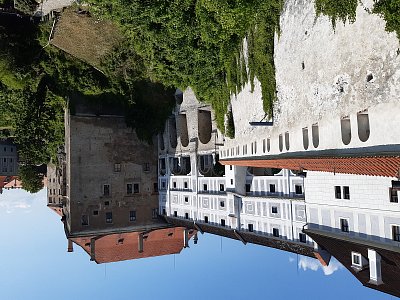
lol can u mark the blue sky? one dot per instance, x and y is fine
(35, 265)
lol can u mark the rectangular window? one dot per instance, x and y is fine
(221, 187)
(250, 227)
(106, 203)
(117, 167)
(248, 188)
(298, 189)
(394, 198)
(175, 214)
(302, 237)
(230, 168)
(186, 199)
(163, 184)
(132, 215)
(174, 184)
(155, 187)
(222, 203)
(275, 232)
(109, 218)
(185, 184)
(274, 209)
(222, 222)
(129, 188)
(85, 220)
(146, 167)
(356, 259)
(205, 219)
(338, 192)
(154, 213)
(231, 181)
(272, 188)
(95, 213)
(136, 188)
(396, 233)
(346, 192)
(106, 190)
(186, 215)
(344, 225)
(205, 187)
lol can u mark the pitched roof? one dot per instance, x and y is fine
(341, 249)
(125, 246)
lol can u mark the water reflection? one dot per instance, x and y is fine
(105, 188)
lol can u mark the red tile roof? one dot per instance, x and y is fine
(124, 246)
(374, 166)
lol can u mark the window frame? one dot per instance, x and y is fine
(338, 192)
(344, 227)
(346, 195)
(396, 232)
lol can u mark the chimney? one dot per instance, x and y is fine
(70, 246)
(195, 238)
(375, 267)
(186, 238)
(140, 244)
(92, 249)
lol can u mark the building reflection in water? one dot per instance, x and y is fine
(106, 190)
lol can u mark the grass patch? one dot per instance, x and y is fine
(85, 37)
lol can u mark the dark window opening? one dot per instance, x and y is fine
(396, 233)
(346, 192)
(221, 187)
(275, 232)
(95, 213)
(338, 192)
(185, 184)
(302, 237)
(85, 220)
(394, 198)
(298, 189)
(272, 188)
(274, 209)
(129, 188)
(205, 187)
(222, 203)
(344, 225)
(186, 215)
(132, 215)
(222, 222)
(175, 214)
(248, 188)
(106, 190)
(136, 188)
(250, 227)
(109, 217)
(205, 219)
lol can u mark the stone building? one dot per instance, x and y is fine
(8, 158)
(111, 177)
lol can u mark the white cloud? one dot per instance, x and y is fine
(307, 263)
(12, 200)
(291, 259)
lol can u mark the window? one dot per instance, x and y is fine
(222, 203)
(132, 215)
(356, 259)
(174, 184)
(186, 215)
(302, 237)
(394, 198)
(205, 187)
(186, 199)
(231, 168)
(274, 209)
(231, 181)
(106, 190)
(120, 241)
(185, 185)
(163, 184)
(109, 217)
(346, 192)
(275, 232)
(344, 225)
(136, 188)
(155, 187)
(175, 213)
(129, 188)
(396, 233)
(250, 227)
(298, 189)
(106, 203)
(272, 188)
(205, 219)
(338, 192)
(222, 222)
(221, 187)
(117, 167)
(146, 167)
(95, 213)
(50, 200)
(164, 211)
(154, 213)
(85, 220)
(248, 188)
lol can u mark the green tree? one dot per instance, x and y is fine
(32, 179)
(390, 11)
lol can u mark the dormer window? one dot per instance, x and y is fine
(358, 262)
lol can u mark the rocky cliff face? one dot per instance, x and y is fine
(322, 71)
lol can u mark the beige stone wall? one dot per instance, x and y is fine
(103, 151)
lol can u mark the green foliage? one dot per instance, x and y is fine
(390, 11)
(342, 10)
(230, 125)
(32, 179)
(198, 43)
(26, 7)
